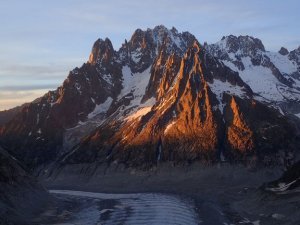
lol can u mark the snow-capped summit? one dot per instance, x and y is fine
(271, 75)
(244, 45)
(140, 51)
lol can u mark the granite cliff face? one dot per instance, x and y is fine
(161, 97)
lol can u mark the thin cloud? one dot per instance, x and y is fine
(51, 72)
(27, 87)
(31, 69)
(10, 99)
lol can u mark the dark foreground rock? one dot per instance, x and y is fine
(21, 196)
(288, 182)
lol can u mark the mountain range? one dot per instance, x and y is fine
(161, 97)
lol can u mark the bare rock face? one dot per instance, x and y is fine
(240, 136)
(102, 52)
(161, 97)
(283, 51)
(295, 56)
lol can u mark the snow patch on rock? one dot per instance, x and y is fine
(282, 62)
(219, 88)
(139, 113)
(101, 108)
(134, 83)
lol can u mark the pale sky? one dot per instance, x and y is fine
(40, 41)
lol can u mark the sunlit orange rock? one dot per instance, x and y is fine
(240, 136)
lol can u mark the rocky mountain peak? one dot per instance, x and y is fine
(295, 56)
(247, 55)
(245, 44)
(148, 43)
(283, 51)
(102, 51)
(161, 96)
(174, 30)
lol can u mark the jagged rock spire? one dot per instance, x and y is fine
(102, 51)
